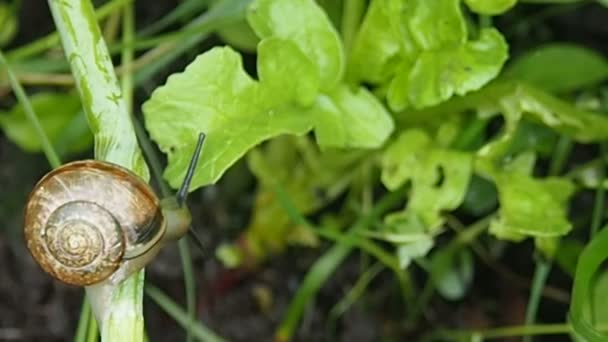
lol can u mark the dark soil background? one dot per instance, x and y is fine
(234, 303)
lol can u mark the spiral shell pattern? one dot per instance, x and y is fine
(83, 219)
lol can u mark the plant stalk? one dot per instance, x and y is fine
(118, 306)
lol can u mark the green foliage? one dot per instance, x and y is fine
(490, 7)
(559, 67)
(306, 25)
(532, 207)
(589, 263)
(8, 23)
(61, 118)
(439, 176)
(391, 117)
(424, 56)
(452, 272)
(216, 96)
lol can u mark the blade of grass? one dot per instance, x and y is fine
(184, 9)
(325, 266)
(355, 292)
(51, 40)
(47, 147)
(199, 331)
(541, 273)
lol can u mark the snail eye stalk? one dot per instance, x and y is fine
(182, 193)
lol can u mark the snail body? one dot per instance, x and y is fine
(88, 219)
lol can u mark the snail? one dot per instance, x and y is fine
(92, 221)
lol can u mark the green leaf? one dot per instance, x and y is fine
(567, 255)
(439, 74)
(239, 35)
(599, 299)
(531, 207)
(559, 67)
(531, 136)
(452, 272)
(401, 157)
(435, 24)
(376, 52)
(400, 228)
(351, 119)
(62, 119)
(517, 100)
(418, 52)
(278, 61)
(406, 230)
(8, 23)
(406, 252)
(305, 24)
(439, 176)
(481, 197)
(589, 263)
(490, 7)
(214, 95)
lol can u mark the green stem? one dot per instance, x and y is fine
(189, 285)
(83, 322)
(485, 21)
(600, 194)
(117, 303)
(47, 147)
(151, 158)
(351, 18)
(356, 291)
(199, 331)
(541, 273)
(93, 335)
(560, 155)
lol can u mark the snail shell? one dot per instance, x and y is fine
(84, 218)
